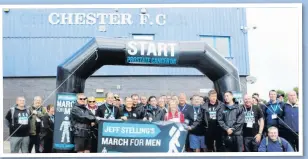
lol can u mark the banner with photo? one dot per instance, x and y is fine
(131, 136)
(62, 139)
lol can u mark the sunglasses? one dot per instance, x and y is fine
(83, 98)
(91, 101)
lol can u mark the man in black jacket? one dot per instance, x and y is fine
(47, 128)
(81, 120)
(214, 131)
(231, 118)
(129, 112)
(153, 112)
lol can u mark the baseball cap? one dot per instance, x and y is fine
(116, 97)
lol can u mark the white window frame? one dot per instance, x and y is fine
(214, 42)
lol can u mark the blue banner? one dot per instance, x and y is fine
(116, 136)
(62, 139)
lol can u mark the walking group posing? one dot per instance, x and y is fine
(213, 126)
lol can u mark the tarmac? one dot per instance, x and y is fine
(7, 149)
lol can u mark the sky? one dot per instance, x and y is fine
(273, 49)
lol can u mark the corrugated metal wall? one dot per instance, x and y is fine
(34, 47)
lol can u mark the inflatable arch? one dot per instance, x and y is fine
(73, 73)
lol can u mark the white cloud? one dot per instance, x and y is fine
(273, 49)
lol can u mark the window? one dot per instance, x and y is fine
(220, 43)
(143, 36)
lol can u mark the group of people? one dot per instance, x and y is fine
(30, 126)
(212, 125)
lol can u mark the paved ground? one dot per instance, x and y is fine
(6, 147)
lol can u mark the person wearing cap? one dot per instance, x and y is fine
(274, 143)
(280, 97)
(117, 101)
(92, 106)
(108, 110)
(231, 119)
(129, 112)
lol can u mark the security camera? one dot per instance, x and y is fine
(254, 27)
(251, 79)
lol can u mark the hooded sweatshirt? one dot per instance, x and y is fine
(21, 117)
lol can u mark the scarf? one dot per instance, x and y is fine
(93, 110)
(176, 115)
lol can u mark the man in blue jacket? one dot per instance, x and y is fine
(289, 126)
(274, 143)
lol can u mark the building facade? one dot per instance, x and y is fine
(36, 41)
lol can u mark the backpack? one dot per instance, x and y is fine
(13, 111)
(279, 140)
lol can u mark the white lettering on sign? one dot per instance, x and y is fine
(112, 129)
(65, 106)
(161, 19)
(90, 18)
(152, 142)
(103, 19)
(151, 49)
(144, 18)
(136, 142)
(115, 141)
(130, 142)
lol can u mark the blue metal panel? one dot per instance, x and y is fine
(38, 47)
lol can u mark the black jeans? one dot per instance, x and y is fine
(214, 136)
(250, 144)
(235, 146)
(34, 140)
(46, 142)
